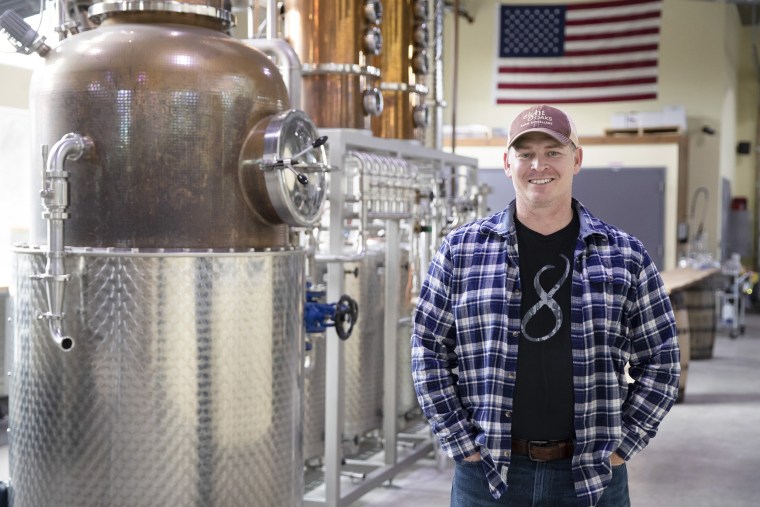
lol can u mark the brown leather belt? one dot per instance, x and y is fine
(542, 450)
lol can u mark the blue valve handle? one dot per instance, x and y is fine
(341, 315)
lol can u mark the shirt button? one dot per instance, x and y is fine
(507, 453)
(508, 414)
(517, 292)
(515, 333)
(511, 375)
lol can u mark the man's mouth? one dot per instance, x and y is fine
(542, 181)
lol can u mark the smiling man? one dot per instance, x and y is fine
(524, 326)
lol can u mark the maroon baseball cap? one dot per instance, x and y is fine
(546, 119)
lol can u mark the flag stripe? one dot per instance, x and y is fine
(549, 99)
(572, 31)
(582, 68)
(614, 19)
(580, 84)
(568, 79)
(580, 92)
(609, 51)
(590, 52)
(615, 3)
(645, 41)
(613, 35)
(571, 63)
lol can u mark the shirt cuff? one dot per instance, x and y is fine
(631, 443)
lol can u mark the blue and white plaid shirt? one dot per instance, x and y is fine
(467, 329)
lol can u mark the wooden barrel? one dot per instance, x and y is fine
(684, 341)
(699, 300)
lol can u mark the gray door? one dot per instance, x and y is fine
(632, 199)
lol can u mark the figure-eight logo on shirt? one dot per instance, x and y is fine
(545, 299)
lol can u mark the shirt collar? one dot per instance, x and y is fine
(503, 223)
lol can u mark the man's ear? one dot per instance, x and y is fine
(578, 159)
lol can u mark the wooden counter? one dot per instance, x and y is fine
(680, 278)
(692, 294)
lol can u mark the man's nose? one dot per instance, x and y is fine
(539, 163)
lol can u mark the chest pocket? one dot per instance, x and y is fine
(609, 289)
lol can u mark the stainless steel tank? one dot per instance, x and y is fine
(172, 271)
(407, 407)
(184, 387)
(363, 393)
(315, 399)
(364, 359)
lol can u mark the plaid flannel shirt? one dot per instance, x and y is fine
(467, 329)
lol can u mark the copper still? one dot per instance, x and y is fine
(337, 43)
(168, 100)
(403, 67)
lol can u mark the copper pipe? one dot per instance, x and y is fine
(403, 64)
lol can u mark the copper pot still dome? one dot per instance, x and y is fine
(167, 98)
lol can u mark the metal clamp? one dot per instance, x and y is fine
(98, 11)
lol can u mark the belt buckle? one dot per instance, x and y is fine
(537, 443)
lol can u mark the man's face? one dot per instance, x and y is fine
(542, 170)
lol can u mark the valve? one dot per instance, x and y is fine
(319, 316)
(346, 313)
(287, 163)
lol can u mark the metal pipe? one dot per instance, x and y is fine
(287, 62)
(363, 163)
(272, 19)
(390, 339)
(435, 100)
(55, 200)
(455, 79)
(60, 28)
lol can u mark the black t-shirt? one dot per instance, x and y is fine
(543, 398)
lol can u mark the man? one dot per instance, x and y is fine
(522, 333)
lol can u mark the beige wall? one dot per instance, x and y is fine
(15, 153)
(14, 84)
(748, 106)
(705, 66)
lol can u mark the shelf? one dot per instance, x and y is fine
(643, 131)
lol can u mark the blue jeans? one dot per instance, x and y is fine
(532, 484)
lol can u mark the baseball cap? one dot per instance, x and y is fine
(546, 119)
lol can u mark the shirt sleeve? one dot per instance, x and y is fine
(434, 359)
(654, 362)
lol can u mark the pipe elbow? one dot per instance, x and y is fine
(66, 343)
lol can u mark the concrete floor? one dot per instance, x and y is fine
(707, 453)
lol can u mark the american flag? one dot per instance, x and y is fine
(583, 52)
